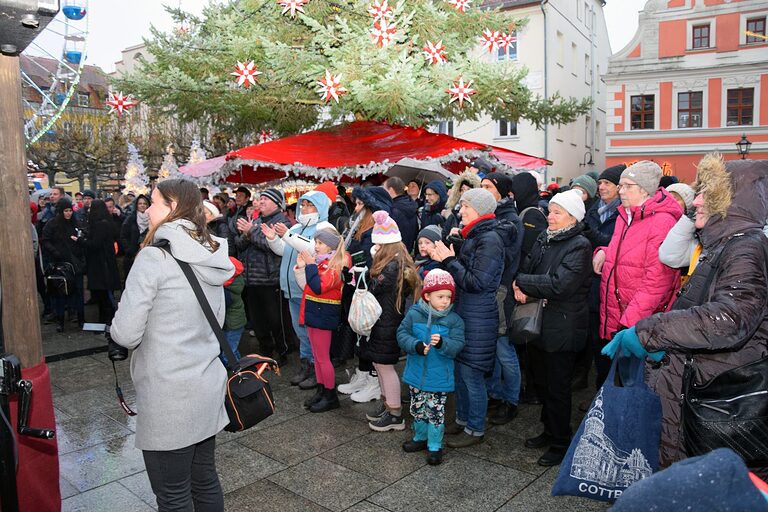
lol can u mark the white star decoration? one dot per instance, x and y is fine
(380, 10)
(506, 40)
(330, 87)
(490, 40)
(383, 32)
(246, 74)
(435, 53)
(119, 103)
(293, 6)
(461, 91)
(460, 5)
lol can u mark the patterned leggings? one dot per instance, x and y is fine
(427, 406)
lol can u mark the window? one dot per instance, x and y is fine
(740, 105)
(574, 60)
(83, 99)
(689, 109)
(509, 52)
(587, 132)
(700, 36)
(587, 69)
(67, 127)
(597, 133)
(445, 127)
(587, 15)
(560, 48)
(507, 128)
(578, 9)
(642, 110)
(757, 27)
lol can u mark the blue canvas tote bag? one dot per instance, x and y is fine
(617, 443)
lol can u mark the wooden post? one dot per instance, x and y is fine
(21, 319)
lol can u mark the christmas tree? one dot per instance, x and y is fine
(196, 153)
(169, 168)
(300, 61)
(136, 179)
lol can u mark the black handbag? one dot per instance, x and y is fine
(249, 398)
(731, 409)
(60, 279)
(527, 320)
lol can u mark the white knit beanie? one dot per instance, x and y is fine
(572, 203)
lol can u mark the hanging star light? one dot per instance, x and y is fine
(246, 74)
(506, 40)
(435, 53)
(490, 40)
(330, 87)
(383, 32)
(119, 103)
(380, 10)
(460, 5)
(265, 136)
(461, 91)
(293, 6)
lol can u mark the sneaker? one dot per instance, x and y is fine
(371, 391)
(376, 412)
(356, 383)
(386, 422)
(464, 440)
(252, 333)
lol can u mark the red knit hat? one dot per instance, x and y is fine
(438, 279)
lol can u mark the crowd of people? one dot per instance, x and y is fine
(620, 261)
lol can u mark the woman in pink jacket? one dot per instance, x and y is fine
(634, 283)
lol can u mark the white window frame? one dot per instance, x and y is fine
(704, 108)
(578, 10)
(498, 135)
(87, 99)
(712, 22)
(743, 26)
(445, 127)
(560, 49)
(587, 69)
(506, 56)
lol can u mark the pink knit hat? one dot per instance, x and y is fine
(438, 279)
(385, 230)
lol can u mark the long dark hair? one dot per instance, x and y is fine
(97, 212)
(189, 206)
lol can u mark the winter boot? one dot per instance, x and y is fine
(302, 374)
(370, 391)
(356, 383)
(59, 324)
(329, 400)
(311, 380)
(504, 414)
(309, 402)
(419, 441)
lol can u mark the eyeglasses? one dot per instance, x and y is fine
(626, 185)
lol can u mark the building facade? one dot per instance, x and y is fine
(565, 48)
(694, 79)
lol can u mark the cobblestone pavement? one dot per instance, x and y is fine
(293, 461)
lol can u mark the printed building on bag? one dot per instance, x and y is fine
(694, 79)
(597, 460)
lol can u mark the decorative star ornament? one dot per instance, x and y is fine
(460, 5)
(490, 40)
(293, 6)
(461, 92)
(265, 136)
(183, 28)
(246, 74)
(506, 40)
(435, 53)
(380, 10)
(330, 87)
(383, 32)
(119, 103)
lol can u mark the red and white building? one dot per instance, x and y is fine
(692, 80)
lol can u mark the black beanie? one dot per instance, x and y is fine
(613, 174)
(502, 182)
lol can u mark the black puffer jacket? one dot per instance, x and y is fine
(477, 270)
(219, 227)
(599, 234)
(262, 266)
(726, 325)
(405, 214)
(559, 270)
(381, 346)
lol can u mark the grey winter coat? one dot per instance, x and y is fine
(179, 379)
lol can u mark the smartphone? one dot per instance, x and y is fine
(358, 258)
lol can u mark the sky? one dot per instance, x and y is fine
(112, 29)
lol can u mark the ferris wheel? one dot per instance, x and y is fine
(62, 46)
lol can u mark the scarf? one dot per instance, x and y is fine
(552, 234)
(466, 229)
(142, 219)
(321, 258)
(606, 210)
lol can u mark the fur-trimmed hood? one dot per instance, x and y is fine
(735, 195)
(466, 177)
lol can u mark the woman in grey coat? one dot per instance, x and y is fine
(179, 379)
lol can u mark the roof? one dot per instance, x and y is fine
(40, 69)
(508, 4)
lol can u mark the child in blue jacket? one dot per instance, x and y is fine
(432, 335)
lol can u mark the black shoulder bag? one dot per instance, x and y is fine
(729, 411)
(249, 399)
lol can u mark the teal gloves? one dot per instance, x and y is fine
(629, 344)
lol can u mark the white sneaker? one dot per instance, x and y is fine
(356, 383)
(371, 390)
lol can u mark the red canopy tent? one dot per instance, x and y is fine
(359, 149)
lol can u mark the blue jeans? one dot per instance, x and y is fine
(305, 349)
(233, 339)
(471, 399)
(504, 384)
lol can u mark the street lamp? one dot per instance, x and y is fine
(743, 146)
